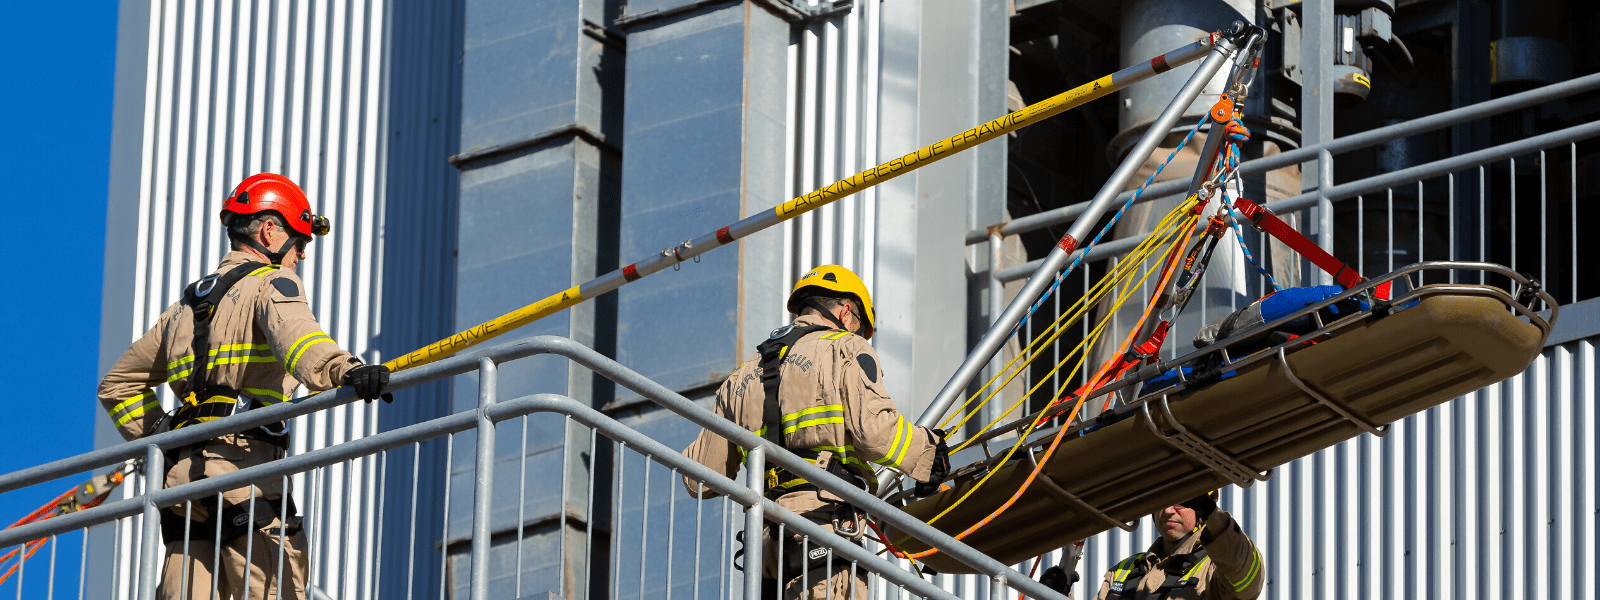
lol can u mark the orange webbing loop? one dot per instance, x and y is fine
(68, 502)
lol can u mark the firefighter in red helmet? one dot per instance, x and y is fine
(232, 343)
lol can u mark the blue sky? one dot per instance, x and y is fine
(57, 80)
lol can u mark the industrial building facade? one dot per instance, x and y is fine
(478, 155)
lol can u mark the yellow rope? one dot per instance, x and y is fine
(1067, 318)
(1022, 439)
(1161, 237)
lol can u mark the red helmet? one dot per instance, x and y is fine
(274, 192)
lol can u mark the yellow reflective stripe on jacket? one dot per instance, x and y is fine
(234, 360)
(300, 346)
(1126, 566)
(268, 393)
(1195, 572)
(133, 408)
(233, 354)
(816, 415)
(180, 368)
(836, 335)
(263, 270)
(902, 442)
(1250, 577)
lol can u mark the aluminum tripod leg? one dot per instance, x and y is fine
(1060, 256)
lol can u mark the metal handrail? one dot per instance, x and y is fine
(1346, 191)
(1340, 145)
(496, 412)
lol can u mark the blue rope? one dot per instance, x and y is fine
(1131, 199)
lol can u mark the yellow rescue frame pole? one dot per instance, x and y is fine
(922, 157)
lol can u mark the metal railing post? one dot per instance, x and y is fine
(483, 475)
(997, 299)
(1070, 244)
(754, 521)
(1325, 209)
(155, 469)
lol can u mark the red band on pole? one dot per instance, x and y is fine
(724, 237)
(1067, 244)
(631, 272)
(1159, 64)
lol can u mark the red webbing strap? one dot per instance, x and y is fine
(1266, 221)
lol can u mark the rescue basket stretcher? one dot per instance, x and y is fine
(1364, 371)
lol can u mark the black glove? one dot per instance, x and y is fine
(1057, 579)
(1202, 505)
(941, 467)
(369, 382)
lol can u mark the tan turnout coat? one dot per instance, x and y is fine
(264, 343)
(263, 339)
(1232, 568)
(832, 399)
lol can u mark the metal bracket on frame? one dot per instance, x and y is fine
(1198, 448)
(1322, 399)
(1079, 502)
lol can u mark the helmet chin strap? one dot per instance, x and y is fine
(275, 257)
(826, 314)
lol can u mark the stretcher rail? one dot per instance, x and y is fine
(1222, 347)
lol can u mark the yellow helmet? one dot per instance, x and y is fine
(838, 279)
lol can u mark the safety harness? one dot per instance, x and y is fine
(1125, 579)
(235, 520)
(776, 426)
(208, 402)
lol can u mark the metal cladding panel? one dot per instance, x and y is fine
(518, 234)
(683, 116)
(230, 89)
(929, 92)
(1470, 499)
(832, 133)
(654, 511)
(421, 190)
(508, 94)
(639, 7)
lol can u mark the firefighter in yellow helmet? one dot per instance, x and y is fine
(832, 409)
(239, 339)
(1202, 553)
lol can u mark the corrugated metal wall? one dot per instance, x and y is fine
(1491, 495)
(293, 87)
(833, 133)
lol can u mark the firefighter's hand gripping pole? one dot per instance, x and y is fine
(689, 249)
(1224, 47)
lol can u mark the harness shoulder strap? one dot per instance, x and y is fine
(1131, 568)
(1186, 575)
(773, 352)
(202, 297)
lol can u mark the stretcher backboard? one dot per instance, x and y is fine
(1376, 369)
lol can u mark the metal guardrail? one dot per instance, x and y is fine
(1067, 214)
(758, 510)
(1457, 189)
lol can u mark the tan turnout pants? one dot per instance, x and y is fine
(248, 567)
(814, 584)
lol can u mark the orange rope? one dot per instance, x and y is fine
(56, 507)
(1100, 378)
